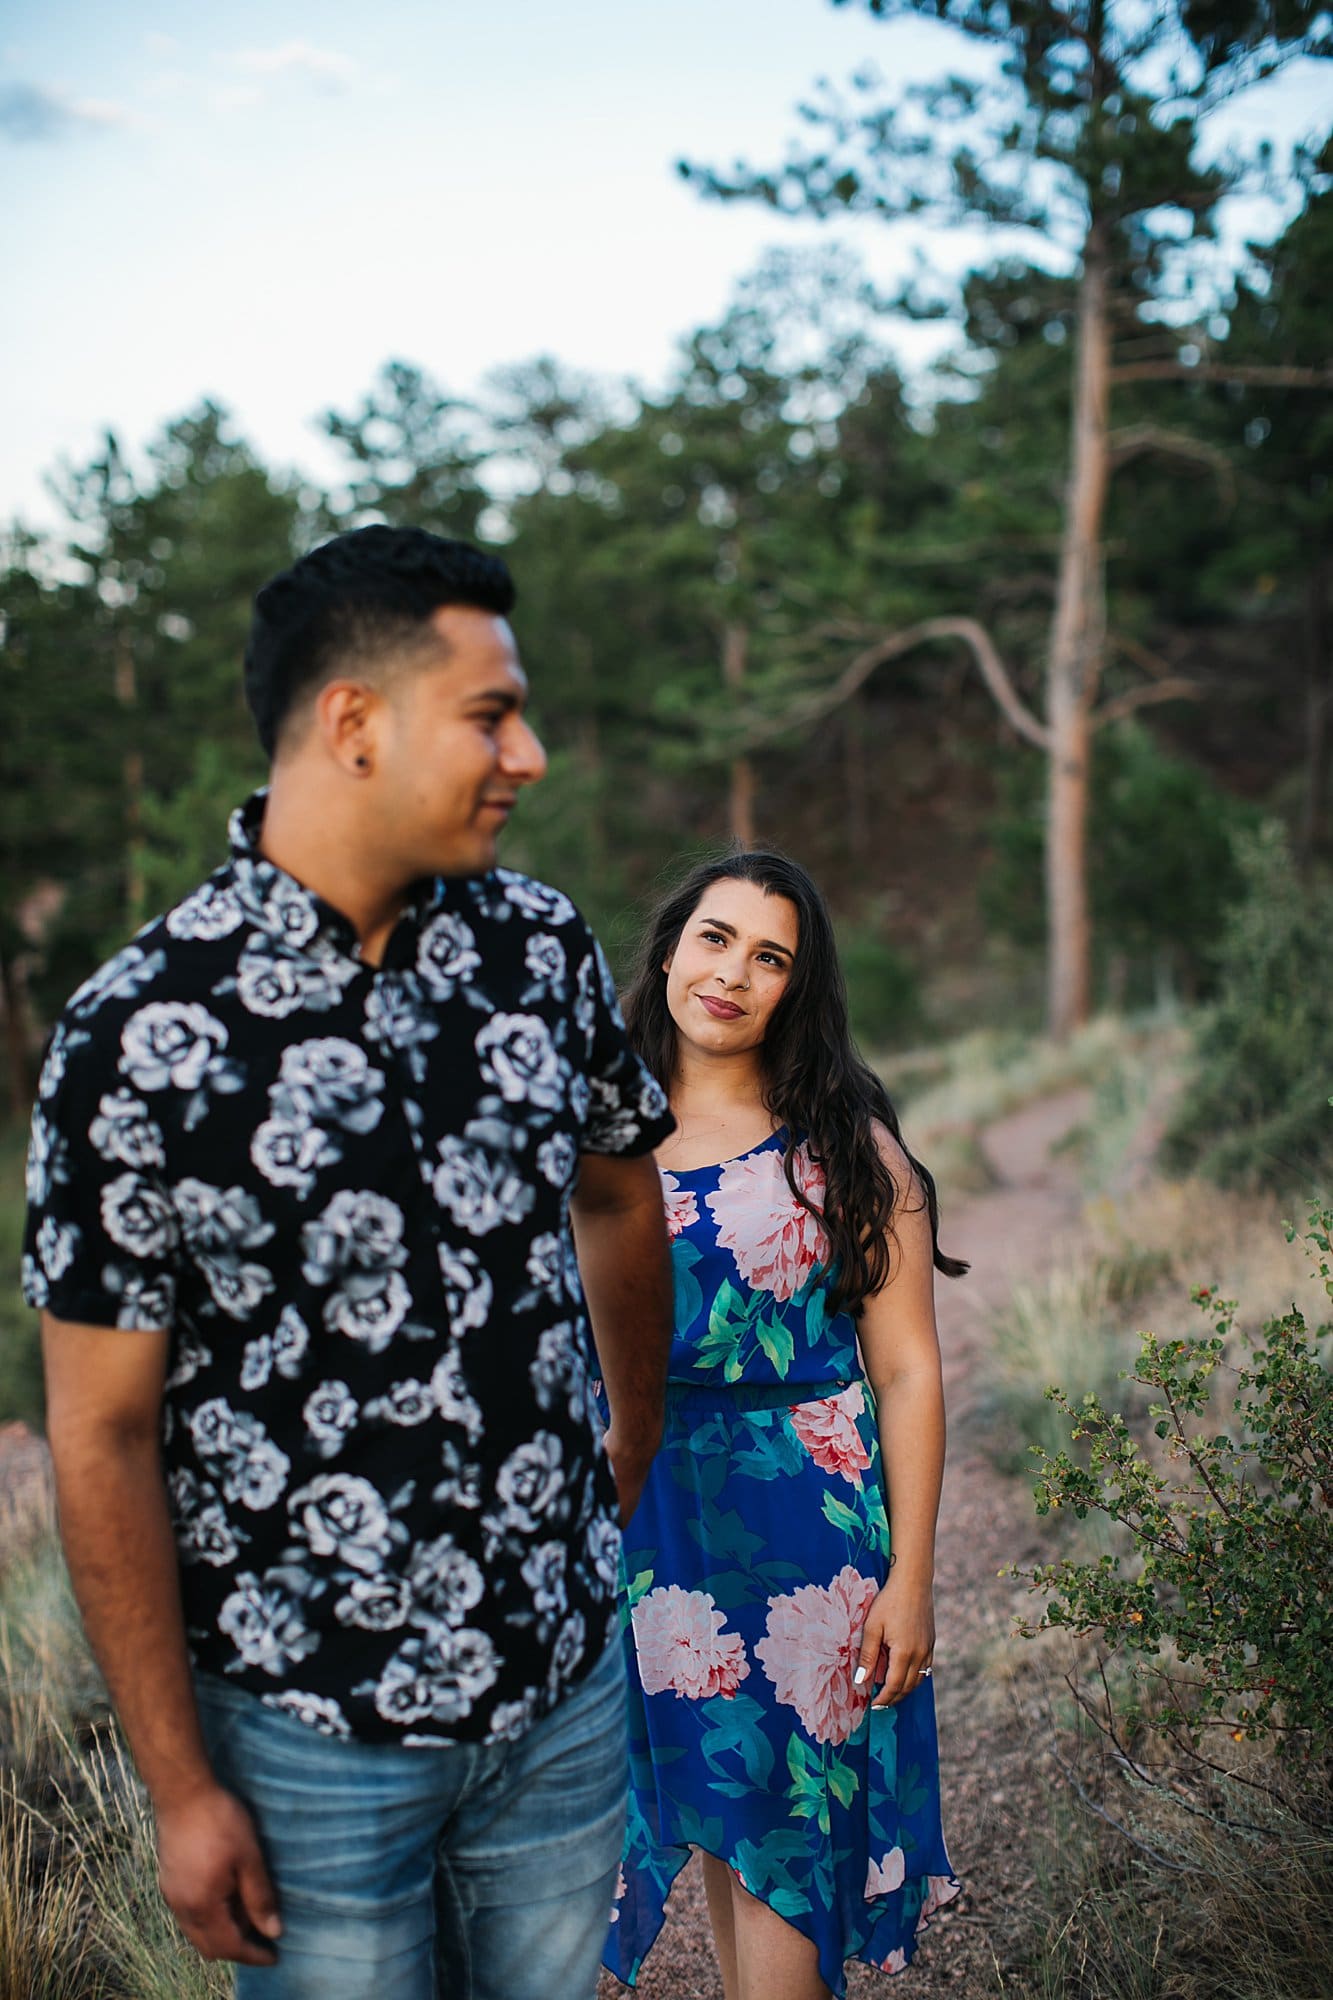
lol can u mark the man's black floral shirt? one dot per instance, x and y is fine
(344, 1189)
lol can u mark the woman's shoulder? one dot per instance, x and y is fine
(894, 1155)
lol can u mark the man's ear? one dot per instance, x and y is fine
(347, 717)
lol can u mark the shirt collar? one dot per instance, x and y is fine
(285, 909)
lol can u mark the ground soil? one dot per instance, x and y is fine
(996, 1768)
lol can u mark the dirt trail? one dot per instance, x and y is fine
(992, 1782)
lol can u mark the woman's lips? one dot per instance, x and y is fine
(721, 1010)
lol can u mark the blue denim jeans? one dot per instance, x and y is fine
(470, 1872)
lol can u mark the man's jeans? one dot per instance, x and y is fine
(460, 1873)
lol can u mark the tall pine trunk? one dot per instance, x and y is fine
(1074, 666)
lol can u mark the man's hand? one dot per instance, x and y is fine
(214, 1879)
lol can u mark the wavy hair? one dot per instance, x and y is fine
(815, 1082)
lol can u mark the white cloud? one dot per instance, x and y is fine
(166, 83)
(161, 45)
(297, 58)
(31, 113)
(237, 97)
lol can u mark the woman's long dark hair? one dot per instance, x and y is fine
(815, 1083)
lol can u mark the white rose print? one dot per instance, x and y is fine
(137, 1216)
(123, 1132)
(479, 1192)
(213, 911)
(170, 1042)
(447, 955)
(519, 1058)
(467, 1289)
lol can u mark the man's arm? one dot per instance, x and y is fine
(104, 1400)
(622, 1246)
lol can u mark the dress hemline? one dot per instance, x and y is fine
(925, 1921)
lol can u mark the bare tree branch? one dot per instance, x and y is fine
(1016, 589)
(1176, 689)
(1085, 1798)
(973, 635)
(1219, 371)
(1142, 656)
(1139, 438)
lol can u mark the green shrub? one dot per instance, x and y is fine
(20, 1357)
(1225, 1587)
(1161, 869)
(1255, 1111)
(883, 995)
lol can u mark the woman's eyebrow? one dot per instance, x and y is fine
(765, 944)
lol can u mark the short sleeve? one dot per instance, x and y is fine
(627, 1108)
(102, 1235)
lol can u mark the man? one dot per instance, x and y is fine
(329, 1474)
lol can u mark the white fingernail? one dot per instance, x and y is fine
(859, 1676)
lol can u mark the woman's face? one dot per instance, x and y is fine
(731, 965)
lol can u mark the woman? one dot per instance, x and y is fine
(780, 1642)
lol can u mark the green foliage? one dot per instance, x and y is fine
(883, 992)
(20, 1357)
(1255, 1111)
(125, 690)
(413, 456)
(1162, 866)
(1229, 1520)
(185, 832)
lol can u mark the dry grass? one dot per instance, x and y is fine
(1187, 1232)
(133, 1930)
(80, 1913)
(1065, 1329)
(1157, 1902)
(984, 1076)
(45, 1949)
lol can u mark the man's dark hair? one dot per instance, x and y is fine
(352, 601)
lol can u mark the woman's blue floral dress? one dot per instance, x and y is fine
(759, 1544)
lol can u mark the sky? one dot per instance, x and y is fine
(262, 203)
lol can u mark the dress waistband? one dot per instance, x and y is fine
(756, 1395)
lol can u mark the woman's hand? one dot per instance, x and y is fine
(898, 1639)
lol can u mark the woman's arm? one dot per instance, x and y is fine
(901, 1352)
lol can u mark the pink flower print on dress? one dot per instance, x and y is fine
(827, 1429)
(776, 1242)
(887, 1875)
(681, 1646)
(895, 1962)
(681, 1207)
(940, 1889)
(810, 1652)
